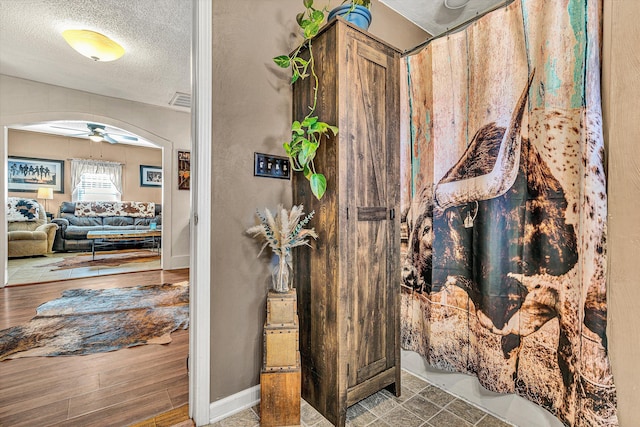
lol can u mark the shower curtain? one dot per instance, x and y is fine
(504, 207)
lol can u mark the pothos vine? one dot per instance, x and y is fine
(307, 133)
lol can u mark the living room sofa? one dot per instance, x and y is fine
(76, 219)
(29, 234)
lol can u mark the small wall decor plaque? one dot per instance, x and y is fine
(184, 170)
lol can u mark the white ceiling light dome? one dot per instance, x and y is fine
(93, 45)
(455, 4)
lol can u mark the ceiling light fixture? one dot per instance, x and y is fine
(93, 45)
(455, 4)
(96, 136)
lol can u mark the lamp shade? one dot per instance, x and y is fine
(45, 193)
(93, 45)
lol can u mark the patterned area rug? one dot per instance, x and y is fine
(113, 259)
(85, 321)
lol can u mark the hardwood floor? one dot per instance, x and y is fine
(118, 388)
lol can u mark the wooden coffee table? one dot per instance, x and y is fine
(113, 236)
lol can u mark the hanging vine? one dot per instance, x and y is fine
(307, 133)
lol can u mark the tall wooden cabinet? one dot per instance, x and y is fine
(348, 285)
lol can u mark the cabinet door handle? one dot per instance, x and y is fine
(392, 213)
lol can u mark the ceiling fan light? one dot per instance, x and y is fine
(93, 45)
(95, 137)
(455, 4)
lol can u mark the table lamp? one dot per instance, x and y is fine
(45, 193)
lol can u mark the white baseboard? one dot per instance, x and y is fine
(508, 407)
(233, 404)
(176, 262)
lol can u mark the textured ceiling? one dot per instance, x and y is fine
(436, 18)
(156, 35)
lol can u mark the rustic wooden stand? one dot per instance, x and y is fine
(348, 284)
(280, 375)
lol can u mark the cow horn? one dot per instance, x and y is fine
(504, 172)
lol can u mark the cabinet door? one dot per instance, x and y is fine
(371, 340)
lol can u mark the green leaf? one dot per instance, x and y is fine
(307, 3)
(306, 171)
(282, 61)
(309, 121)
(311, 30)
(317, 16)
(309, 151)
(318, 185)
(299, 18)
(302, 157)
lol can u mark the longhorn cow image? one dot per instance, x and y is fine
(495, 219)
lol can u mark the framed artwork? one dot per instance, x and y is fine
(29, 174)
(150, 176)
(184, 170)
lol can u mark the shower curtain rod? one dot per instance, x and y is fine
(422, 45)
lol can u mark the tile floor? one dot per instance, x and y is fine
(422, 404)
(28, 270)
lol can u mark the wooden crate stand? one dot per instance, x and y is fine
(282, 309)
(281, 348)
(280, 398)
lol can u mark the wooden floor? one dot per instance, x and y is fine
(118, 388)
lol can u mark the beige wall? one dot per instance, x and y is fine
(621, 91)
(24, 101)
(251, 112)
(40, 145)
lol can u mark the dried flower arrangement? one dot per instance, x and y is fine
(281, 233)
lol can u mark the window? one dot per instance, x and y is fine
(96, 187)
(94, 180)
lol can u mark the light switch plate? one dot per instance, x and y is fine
(270, 166)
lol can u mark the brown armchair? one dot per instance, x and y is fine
(29, 238)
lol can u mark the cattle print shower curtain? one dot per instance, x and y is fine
(504, 203)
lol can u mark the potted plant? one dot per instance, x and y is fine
(307, 132)
(355, 11)
(281, 233)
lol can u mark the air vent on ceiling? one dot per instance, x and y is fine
(181, 100)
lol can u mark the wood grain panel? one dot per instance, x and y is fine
(349, 316)
(280, 403)
(114, 388)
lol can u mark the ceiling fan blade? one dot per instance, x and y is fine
(110, 140)
(127, 137)
(66, 128)
(93, 126)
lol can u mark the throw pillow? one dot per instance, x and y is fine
(22, 209)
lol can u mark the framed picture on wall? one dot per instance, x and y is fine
(150, 176)
(29, 174)
(184, 170)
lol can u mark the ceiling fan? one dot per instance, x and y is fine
(98, 133)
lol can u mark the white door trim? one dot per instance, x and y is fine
(200, 303)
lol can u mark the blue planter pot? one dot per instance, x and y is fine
(360, 16)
